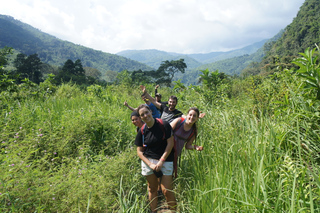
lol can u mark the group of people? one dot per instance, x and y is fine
(160, 140)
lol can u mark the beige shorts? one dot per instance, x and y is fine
(167, 168)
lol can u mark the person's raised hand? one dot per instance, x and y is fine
(143, 88)
(202, 114)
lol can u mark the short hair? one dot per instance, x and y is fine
(158, 94)
(143, 106)
(173, 97)
(134, 113)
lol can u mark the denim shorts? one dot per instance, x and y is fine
(167, 168)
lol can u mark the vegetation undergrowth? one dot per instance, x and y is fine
(66, 149)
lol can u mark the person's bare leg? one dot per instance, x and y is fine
(152, 188)
(167, 190)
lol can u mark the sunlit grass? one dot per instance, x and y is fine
(74, 152)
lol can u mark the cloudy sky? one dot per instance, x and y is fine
(182, 26)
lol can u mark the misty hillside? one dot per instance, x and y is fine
(302, 33)
(154, 57)
(54, 51)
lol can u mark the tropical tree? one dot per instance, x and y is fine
(3, 57)
(72, 71)
(124, 77)
(6, 81)
(28, 67)
(110, 76)
(93, 72)
(167, 70)
(211, 80)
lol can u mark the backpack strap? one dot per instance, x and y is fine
(182, 120)
(143, 129)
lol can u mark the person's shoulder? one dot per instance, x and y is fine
(177, 112)
(165, 122)
(167, 125)
(164, 107)
(162, 122)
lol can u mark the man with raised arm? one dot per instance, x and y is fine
(155, 111)
(158, 96)
(168, 113)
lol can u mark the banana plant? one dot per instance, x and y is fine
(309, 69)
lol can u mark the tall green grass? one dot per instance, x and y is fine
(245, 169)
(73, 151)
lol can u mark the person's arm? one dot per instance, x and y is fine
(175, 122)
(127, 105)
(190, 146)
(200, 116)
(167, 151)
(151, 99)
(156, 90)
(144, 159)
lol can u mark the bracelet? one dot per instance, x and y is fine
(162, 159)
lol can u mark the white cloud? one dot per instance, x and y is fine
(184, 26)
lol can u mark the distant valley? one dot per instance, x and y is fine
(54, 51)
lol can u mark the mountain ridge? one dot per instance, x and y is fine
(153, 57)
(54, 51)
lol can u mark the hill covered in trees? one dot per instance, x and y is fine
(302, 33)
(154, 58)
(70, 148)
(235, 65)
(54, 51)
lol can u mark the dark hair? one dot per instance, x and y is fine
(134, 113)
(173, 97)
(143, 106)
(195, 125)
(194, 109)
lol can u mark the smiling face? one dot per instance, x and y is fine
(192, 117)
(145, 114)
(144, 98)
(136, 120)
(172, 104)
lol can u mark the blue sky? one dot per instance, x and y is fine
(181, 26)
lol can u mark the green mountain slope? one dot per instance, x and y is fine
(234, 65)
(303, 32)
(153, 58)
(217, 56)
(54, 51)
